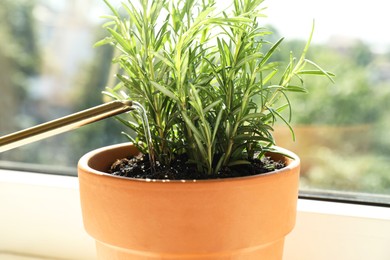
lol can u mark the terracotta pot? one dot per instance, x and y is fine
(239, 218)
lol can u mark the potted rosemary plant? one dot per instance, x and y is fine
(202, 178)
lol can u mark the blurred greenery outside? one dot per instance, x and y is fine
(50, 69)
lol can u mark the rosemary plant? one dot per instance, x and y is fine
(206, 77)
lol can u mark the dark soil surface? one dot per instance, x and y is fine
(139, 167)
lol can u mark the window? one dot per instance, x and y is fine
(342, 128)
(50, 69)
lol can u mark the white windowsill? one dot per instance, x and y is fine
(41, 219)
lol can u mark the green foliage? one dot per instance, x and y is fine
(206, 77)
(19, 58)
(351, 100)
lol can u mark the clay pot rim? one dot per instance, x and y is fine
(83, 164)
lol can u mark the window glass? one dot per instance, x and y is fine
(50, 69)
(342, 129)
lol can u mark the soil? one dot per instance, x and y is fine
(139, 167)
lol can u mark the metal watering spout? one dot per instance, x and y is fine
(64, 124)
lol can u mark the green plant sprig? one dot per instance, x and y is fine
(206, 78)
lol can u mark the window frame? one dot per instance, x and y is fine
(50, 203)
(332, 196)
(355, 198)
(337, 196)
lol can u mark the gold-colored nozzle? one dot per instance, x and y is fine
(64, 124)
